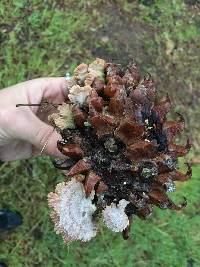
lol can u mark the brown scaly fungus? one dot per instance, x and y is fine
(119, 148)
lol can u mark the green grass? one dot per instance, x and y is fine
(47, 38)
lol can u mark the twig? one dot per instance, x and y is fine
(55, 105)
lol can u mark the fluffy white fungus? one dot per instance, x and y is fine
(72, 211)
(64, 118)
(115, 217)
(80, 72)
(95, 70)
(78, 95)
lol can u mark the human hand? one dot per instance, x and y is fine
(24, 130)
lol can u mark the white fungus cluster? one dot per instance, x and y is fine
(63, 118)
(78, 94)
(115, 217)
(79, 85)
(72, 212)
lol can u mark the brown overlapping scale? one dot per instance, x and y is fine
(70, 150)
(165, 163)
(90, 182)
(145, 212)
(160, 199)
(144, 94)
(96, 102)
(175, 150)
(163, 107)
(113, 79)
(113, 70)
(128, 131)
(102, 187)
(117, 103)
(79, 116)
(98, 84)
(175, 176)
(111, 89)
(141, 150)
(102, 124)
(173, 128)
(179, 176)
(82, 166)
(93, 182)
(132, 76)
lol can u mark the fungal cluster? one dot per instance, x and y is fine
(120, 156)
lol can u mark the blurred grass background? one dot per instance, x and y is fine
(49, 38)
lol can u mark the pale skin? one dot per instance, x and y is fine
(25, 131)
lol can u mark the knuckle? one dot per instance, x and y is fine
(46, 83)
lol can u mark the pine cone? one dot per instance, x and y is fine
(122, 144)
